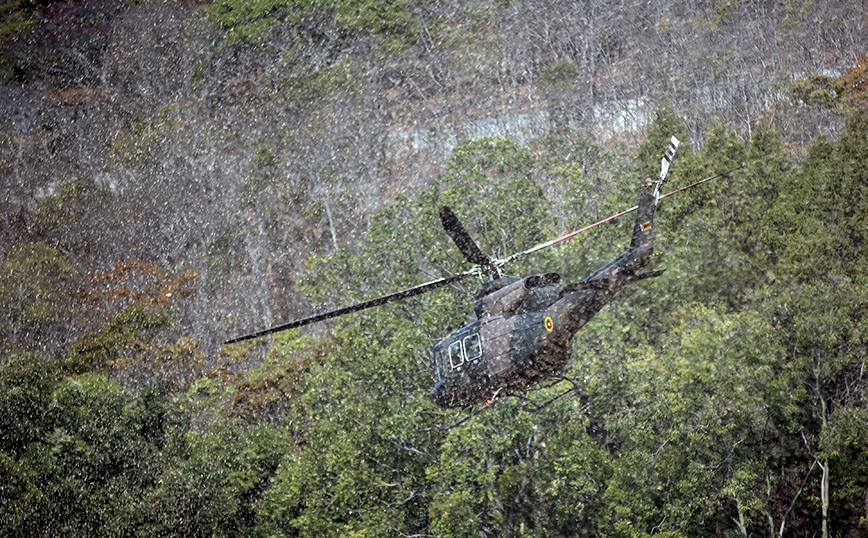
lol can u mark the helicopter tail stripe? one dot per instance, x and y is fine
(648, 200)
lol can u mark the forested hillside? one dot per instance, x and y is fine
(176, 173)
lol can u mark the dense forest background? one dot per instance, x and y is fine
(174, 173)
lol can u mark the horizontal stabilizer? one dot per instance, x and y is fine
(648, 274)
(598, 284)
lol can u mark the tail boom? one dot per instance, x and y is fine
(642, 238)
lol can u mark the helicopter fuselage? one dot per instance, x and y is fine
(522, 329)
(501, 354)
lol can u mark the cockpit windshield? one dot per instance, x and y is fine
(456, 354)
(472, 348)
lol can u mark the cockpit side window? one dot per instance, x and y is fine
(456, 355)
(472, 349)
(439, 365)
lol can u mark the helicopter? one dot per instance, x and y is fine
(521, 328)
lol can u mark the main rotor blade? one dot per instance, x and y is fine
(547, 244)
(462, 239)
(397, 296)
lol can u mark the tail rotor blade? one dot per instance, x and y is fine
(667, 157)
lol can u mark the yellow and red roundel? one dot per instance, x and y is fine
(550, 325)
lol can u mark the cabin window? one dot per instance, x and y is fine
(472, 349)
(456, 356)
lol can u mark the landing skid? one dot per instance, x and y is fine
(459, 421)
(530, 405)
(533, 407)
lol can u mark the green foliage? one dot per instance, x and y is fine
(725, 10)
(708, 391)
(390, 20)
(559, 76)
(817, 226)
(515, 472)
(249, 21)
(144, 144)
(325, 87)
(76, 203)
(88, 462)
(16, 15)
(34, 277)
(209, 487)
(38, 288)
(137, 340)
(356, 436)
(824, 326)
(666, 124)
(266, 391)
(26, 383)
(489, 184)
(130, 331)
(81, 456)
(361, 413)
(845, 447)
(846, 92)
(817, 89)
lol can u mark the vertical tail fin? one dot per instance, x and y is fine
(648, 200)
(644, 215)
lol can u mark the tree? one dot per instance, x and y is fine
(92, 456)
(843, 92)
(27, 381)
(38, 297)
(362, 422)
(817, 224)
(822, 324)
(80, 218)
(138, 344)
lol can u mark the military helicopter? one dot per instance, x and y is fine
(521, 329)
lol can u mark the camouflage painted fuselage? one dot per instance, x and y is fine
(523, 329)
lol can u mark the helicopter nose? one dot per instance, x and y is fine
(436, 394)
(447, 395)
